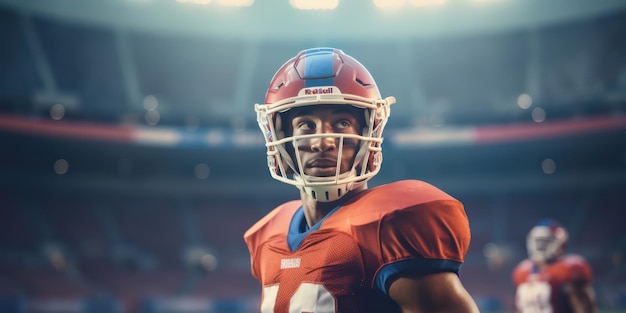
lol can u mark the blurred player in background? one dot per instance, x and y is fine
(549, 280)
(343, 247)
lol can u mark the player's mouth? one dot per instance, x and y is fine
(322, 167)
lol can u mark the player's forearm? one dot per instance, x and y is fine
(582, 299)
(583, 306)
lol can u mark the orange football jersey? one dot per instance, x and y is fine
(344, 262)
(542, 290)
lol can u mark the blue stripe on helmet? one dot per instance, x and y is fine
(549, 222)
(320, 68)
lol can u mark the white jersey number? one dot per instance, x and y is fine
(309, 298)
(533, 297)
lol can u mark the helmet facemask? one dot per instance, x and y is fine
(545, 244)
(283, 154)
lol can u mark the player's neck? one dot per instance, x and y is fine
(543, 264)
(314, 211)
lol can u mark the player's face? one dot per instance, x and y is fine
(319, 155)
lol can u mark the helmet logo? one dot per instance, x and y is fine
(319, 91)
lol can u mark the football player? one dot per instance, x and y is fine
(343, 247)
(549, 280)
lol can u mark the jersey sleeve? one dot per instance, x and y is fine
(426, 238)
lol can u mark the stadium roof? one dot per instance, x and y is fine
(352, 19)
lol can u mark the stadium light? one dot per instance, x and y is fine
(236, 3)
(548, 166)
(524, 101)
(427, 3)
(57, 111)
(201, 2)
(394, 4)
(538, 115)
(314, 4)
(388, 4)
(485, 1)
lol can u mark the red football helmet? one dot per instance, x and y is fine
(322, 76)
(546, 241)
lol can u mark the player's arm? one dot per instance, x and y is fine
(438, 292)
(582, 298)
(579, 290)
(423, 247)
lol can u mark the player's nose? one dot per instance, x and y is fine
(324, 143)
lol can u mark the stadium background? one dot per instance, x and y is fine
(131, 163)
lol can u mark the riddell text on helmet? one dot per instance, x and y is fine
(319, 91)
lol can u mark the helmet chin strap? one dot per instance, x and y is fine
(315, 188)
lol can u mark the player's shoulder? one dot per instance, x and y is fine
(522, 270)
(269, 225)
(574, 267)
(576, 264)
(573, 260)
(406, 200)
(403, 194)
(525, 264)
(406, 207)
(417, 190)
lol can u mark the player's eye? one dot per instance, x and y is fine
(304, 125)
(342, 124)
